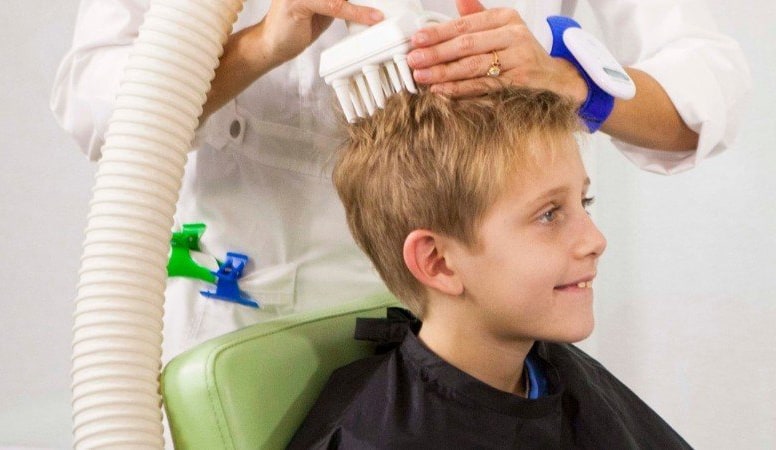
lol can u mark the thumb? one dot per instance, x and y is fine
(466, 7)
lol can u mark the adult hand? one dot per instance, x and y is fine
(292, 25)
(287, 29)
(454, 57)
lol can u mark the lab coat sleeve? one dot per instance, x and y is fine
(703, 71)
(88, 78)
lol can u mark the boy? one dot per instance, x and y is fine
(474, 213)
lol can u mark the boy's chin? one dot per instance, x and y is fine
(573, 334)
(581, 336)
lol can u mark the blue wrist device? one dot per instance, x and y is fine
(604, 76)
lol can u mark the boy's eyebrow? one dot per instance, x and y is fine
(556, 191)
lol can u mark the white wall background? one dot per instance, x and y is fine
(44, 190)
(686, 299)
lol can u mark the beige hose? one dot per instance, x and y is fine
(118, 314)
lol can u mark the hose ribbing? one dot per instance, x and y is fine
(118, 313)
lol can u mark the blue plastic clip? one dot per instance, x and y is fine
(226, 284)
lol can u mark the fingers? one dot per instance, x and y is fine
(342, 9)
(463, 69)
(458, 48)
(466, 7)
(480, 21)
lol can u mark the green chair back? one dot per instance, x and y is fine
(252, 388)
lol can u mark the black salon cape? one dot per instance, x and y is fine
(409, 398)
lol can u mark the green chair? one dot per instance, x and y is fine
(252, 388)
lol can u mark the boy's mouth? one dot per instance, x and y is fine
(585, 283)
(580, 285)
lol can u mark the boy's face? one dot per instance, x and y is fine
(531, 274)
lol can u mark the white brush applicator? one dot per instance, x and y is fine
(371, 63)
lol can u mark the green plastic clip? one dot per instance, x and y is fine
(181, 264)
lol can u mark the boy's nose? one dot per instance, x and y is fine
(592, 242)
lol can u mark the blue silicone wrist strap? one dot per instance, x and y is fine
(599, 104)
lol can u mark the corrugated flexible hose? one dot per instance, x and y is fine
(117, 334)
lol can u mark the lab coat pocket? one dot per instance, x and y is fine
(273, 288)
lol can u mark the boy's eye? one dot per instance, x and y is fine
(550, 215)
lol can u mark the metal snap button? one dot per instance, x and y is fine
(235, 128)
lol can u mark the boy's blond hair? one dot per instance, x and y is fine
(430, 162)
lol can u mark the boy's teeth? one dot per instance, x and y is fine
(585, 284)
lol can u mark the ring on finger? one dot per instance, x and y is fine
(495, 67)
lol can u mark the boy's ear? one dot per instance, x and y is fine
(424, 256)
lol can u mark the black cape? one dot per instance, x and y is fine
(409, 398)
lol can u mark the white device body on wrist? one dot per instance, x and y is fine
(596, 60)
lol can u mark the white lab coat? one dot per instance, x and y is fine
(260, 178)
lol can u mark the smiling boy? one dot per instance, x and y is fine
(474, 213)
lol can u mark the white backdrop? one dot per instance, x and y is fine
(686, 298)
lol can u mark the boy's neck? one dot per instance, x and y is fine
(464, 344)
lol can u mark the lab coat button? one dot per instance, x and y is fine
(235, 128)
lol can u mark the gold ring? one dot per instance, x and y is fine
(495, 67)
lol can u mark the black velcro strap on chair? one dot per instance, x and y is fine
(389, 332)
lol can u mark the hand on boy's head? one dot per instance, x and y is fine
(458, 57)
